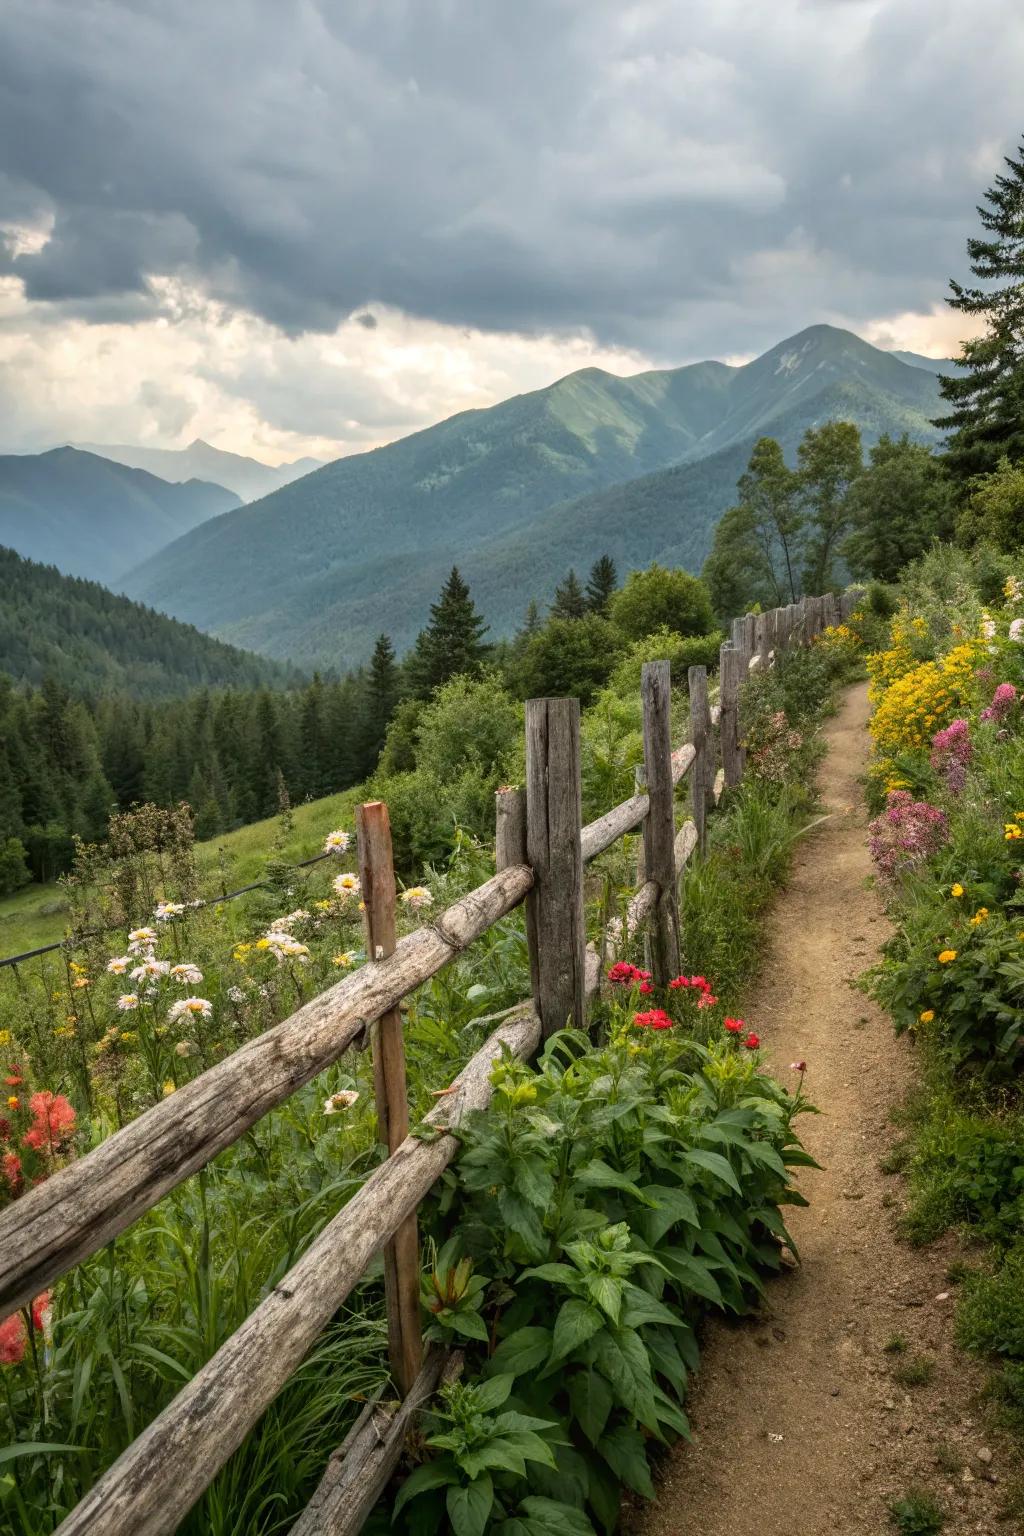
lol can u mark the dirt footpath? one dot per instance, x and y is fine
(800, 1427)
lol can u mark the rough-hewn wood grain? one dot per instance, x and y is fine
(659, 823)
(361, 1467)
(732, 672)
(554, 849)
(402, 1254)
(702, 736)
(74, 1213)
(509, 828)
(152, 1486)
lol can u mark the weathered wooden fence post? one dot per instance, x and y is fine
(702, 774)
(732, 673)
(509, 850)
(402, 1255)
(555, 904)
(660, 822)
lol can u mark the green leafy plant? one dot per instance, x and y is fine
(917, 1514)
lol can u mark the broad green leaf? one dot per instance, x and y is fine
(623, 1450)
(522, 1351)
(469, 1508)
(607, 1293)
(470, 1324)
(598, 1175)
(433, 1474)
(490, 1394)
(692, 1273)
(521, 1218)
(622, 1358)
(670, 1205)
(547, 1517)
(590, 1397)
(715, 1163)
(36, 1448)
(641, 1308)
(576, 1322)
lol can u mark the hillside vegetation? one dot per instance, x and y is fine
(86, 638)
(91, 517)
(316, 570)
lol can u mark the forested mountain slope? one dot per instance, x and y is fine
(88, 639)
(317, 569)
(91, 517)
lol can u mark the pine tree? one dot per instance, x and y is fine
(380, 701)
(986, 396)
(601, 583)
(569, 601)
(452, 642)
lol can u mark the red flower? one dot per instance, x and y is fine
(679, 981)
(646, 988)
(53, 1121)
(40, 1307)
(752, 1041)
(12, 1171)
(12, 1339)
(14, 1081)
(623, 973)
(656, 1019)
(733, 1025)
(706, 1000)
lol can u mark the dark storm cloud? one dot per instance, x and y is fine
(699, 176)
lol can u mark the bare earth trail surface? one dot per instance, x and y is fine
(799, 1425)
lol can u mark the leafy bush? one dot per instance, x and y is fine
(990, 1317)
(609, 1195)
(662, 599)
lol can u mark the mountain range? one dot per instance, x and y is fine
(91, 517)
(248, 478)
(83, 636)
(639, 467)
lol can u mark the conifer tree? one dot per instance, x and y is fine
(452, 642)
(569, 601)
(379, 704)
(986, 396)
(601, 583)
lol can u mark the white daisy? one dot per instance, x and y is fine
(189, 1008)
(417, 896)
(187, 973)
(339, 1101)
(337, 842)
(151, 968)
(167, 909)
(119, 964)
(346, 885)
(127, 1002)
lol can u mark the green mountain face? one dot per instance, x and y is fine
(91, 517)
(640, 467)
(248, 478)
(54, 626)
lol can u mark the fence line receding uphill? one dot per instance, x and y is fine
(541, 851)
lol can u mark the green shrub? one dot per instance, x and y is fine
(990, 1316)
(661, 599)
(917, 1514)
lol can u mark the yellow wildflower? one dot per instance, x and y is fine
(5, 1037)
(1012, 832)
(262, 943)
(169, 1088)
(13, 1101)
(956, 890)
(979, 916)
(927, 1016)
(345, 959)
(946, 956)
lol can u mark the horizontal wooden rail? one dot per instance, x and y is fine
(598, 835)
(156, 1481)
(361, 1467)
(60, 1223)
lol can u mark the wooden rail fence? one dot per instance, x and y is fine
(541, 853)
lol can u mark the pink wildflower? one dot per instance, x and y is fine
(907, 832)
(1003, 700)
(951, 752)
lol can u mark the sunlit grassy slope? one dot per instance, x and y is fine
(38, 914)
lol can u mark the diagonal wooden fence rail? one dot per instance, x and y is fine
(541, 853)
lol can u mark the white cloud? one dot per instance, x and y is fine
(199, 368)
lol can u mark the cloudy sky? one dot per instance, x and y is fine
(310, 226)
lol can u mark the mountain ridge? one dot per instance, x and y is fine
(248, 478)
(316, 569)
(91, 517)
